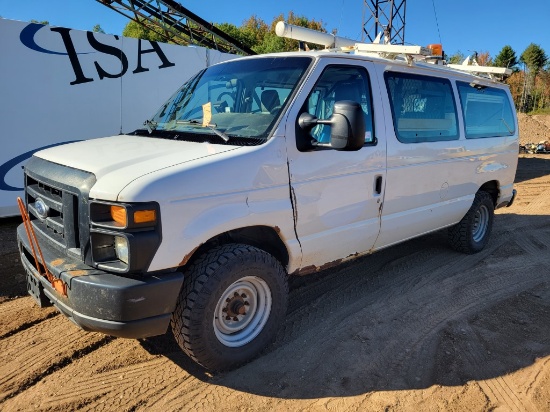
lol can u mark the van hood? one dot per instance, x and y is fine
(130, 157)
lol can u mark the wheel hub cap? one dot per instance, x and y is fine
(242, 311)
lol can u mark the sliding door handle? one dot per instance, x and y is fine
(378, 185)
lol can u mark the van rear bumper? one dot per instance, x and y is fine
(507, 202)
(99, 301)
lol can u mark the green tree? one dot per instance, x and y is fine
(506, 58)
(145, 31)
(260, 37)
(255, 29)
(97, 29)
(456, 58)
(534, 59)
(237, 33)
(44, 22)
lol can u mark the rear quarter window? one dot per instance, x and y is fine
(486, 110)
(423, 108)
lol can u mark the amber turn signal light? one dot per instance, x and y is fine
(145, 216)
(118, 214)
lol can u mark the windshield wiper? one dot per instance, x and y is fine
(211, 126)
(218, 132)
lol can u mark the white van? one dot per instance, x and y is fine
(256, 169)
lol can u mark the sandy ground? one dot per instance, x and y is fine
(416, 327)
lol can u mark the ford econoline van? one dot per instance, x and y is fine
(254, 170)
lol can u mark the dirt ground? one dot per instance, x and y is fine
(533, 128)
(416, 327)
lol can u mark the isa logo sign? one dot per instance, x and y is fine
(29, 33)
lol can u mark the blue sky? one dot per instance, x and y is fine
(464, 25)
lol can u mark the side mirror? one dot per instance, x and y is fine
(347, 125)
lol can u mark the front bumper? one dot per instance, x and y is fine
(128, 307)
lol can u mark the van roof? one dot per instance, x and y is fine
(437, 69)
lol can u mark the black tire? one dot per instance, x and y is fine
(236, 278)
(472, 233)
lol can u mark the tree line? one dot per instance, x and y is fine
(253, 33)
(529, 82)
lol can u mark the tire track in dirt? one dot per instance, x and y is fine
(118, 375)
(124, 374)
(419, 338)
(508, 327)
(35, 352)
(478, 292)
(365, 328)
(500, 390)
(418, 268)
(20, 314)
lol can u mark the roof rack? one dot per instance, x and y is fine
(471, 66)
(411, 54)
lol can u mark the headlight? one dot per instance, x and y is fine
(117, 227)
(121, 248)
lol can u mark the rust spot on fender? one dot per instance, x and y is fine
(277, 229)
(312, 268)
(76, 272)
(188, 256)
(57, 262)
(330, 264)
(306, 270)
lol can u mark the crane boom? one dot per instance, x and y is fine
(173, 22)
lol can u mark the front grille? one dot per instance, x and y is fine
(57, 198)
(61, 222)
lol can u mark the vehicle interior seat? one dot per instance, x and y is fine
(270, 101)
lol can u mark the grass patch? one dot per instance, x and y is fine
(541, 111)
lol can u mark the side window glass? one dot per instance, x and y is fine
(487, 111)
(338, 83)
(423, 108)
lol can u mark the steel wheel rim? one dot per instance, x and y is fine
(481, 222)
(250, 295)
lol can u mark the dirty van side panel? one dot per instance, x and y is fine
(433, 170)
(252, 190)
(424, 156)
(336, 194)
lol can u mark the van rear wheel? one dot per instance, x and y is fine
(233, 299)
(471, 234)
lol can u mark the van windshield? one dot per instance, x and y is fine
(237, 102)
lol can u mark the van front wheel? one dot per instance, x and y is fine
(471, 234)
(233, 299)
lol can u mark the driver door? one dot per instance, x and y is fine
(337, 195)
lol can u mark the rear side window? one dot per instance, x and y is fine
(423, 108)
(487, 111)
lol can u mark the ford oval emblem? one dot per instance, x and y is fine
(41, 208)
